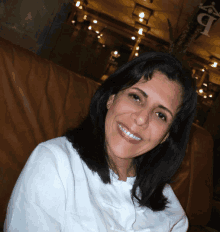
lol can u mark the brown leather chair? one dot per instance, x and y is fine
(39, 100)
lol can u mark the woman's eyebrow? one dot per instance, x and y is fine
(163, 107)
(160, 106)
(142, 92)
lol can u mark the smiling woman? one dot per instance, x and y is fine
(138, 127)
(112, 173)
(139, 118)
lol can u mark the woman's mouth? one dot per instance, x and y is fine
(130, 137)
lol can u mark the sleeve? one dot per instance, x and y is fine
(176, 214)
(182, 225)
(37, 202)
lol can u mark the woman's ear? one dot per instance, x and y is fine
(110, 101)
(167, 135)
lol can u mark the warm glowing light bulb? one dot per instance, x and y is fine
(205, 96)
(140, 32)
(141, 15)
(133, 38)
(116, 52)
(95, 21)
(136, 54)
(205, 84)
(78, 4)
(80, 7)
(203, 70)
(210, 95)
(97, 32)
(201, 90)
(73, 21)
(141, 20)
(137, 48)
(85, 17)
(90, 27)
(214, 65)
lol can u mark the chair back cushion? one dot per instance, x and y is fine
(39, 100)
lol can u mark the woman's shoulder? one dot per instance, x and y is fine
(55, 156)
(59, 142)
(49, 165)
(44, 181)
(174, 209)
(60, 147)
(58, 152)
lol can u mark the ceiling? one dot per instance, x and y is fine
(118, 15)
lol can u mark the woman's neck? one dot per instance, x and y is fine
(123, 174)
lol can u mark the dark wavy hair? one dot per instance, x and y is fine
(155, 168)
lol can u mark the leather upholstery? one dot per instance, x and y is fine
(194, 179)
(39, 100)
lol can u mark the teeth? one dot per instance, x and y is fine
(128, 133)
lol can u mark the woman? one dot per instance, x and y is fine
(112, 173)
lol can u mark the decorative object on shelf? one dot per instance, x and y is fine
(179, 44)
(142, 13)
(212, 15)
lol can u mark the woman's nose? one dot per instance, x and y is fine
(141, 117)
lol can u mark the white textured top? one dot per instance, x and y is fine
(56, 191)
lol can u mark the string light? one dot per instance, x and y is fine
(205, 84)
(137, 48)
(78, 4)
(115, 54)
(140, 31)
(201, 90)
(136, 54)
(95, 21)
(141, 15)
(141, 20)
(85, 17)
(203, 70)
(210, 95)
(97, 32)
(90, 27)
(205, 96)
(80, 7)
(215, 64)
(73, 21)
(133, 38)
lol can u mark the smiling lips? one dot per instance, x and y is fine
(127, 135)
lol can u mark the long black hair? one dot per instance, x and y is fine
(154, 169)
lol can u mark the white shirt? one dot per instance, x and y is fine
(56, 191)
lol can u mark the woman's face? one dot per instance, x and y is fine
(139, 118)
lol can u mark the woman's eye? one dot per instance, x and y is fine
(162, 116)
(135, 97)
